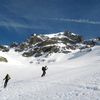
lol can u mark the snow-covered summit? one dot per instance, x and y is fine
(45, 44)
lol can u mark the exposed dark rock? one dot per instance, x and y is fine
(3, 59)
(4, 48)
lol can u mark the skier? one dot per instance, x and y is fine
(44, 71)
(7, 78)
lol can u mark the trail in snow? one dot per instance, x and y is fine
(75, 79)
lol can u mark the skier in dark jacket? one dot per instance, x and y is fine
(44, 71)
(7, 78)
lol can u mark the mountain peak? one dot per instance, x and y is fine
(46, 44)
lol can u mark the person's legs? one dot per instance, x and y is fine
(5, 84)
(43, 74)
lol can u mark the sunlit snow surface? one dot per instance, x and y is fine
(73, 76)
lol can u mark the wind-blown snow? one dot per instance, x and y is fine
(73, 76)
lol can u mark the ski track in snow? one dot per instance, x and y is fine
(80, 82)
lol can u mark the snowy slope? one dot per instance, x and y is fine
(75, 76)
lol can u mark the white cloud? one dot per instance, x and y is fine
(8, 24)
(13, 24)
(76, 20)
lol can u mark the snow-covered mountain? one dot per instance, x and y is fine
(40, 45)
(73, 69)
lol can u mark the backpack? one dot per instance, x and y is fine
(43, 68)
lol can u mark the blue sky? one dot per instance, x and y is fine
(20, 18)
